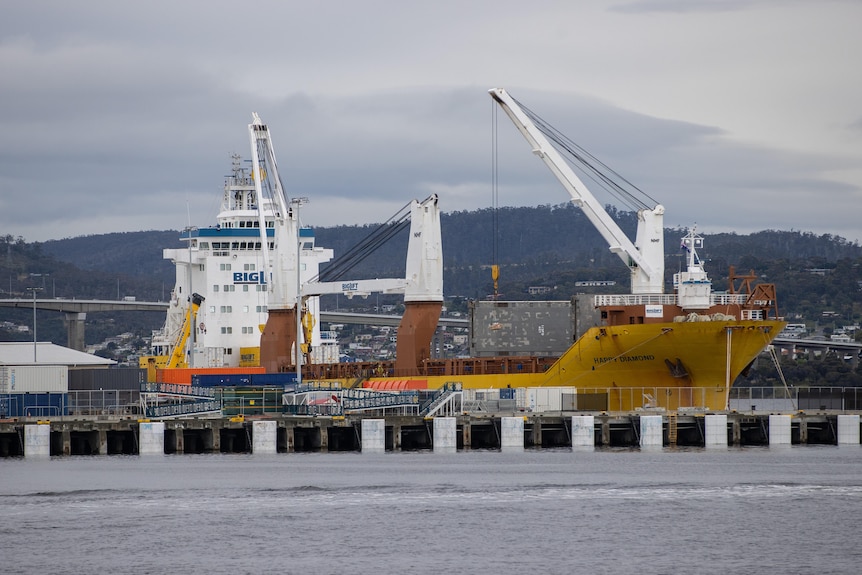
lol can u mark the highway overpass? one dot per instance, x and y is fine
(76, 310)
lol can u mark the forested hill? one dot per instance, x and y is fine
(551, 246)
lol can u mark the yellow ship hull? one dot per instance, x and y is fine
(667, 365)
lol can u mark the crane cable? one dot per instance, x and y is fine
(593, 168)
(357, 254)
(495, 197)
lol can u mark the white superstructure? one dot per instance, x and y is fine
(225, 265)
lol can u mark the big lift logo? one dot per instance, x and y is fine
(249, 278)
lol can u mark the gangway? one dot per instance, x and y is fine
(327, 399)
(183, 400)
(446, 401)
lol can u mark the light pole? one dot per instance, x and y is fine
(191, 351)
(296, 203)
(34, 290)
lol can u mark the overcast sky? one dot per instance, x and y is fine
(736, 115)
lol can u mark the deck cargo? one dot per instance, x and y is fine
(34, 378)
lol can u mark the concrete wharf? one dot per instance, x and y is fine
(104, 435)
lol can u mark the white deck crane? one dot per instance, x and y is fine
(645, 258)
(422, 284)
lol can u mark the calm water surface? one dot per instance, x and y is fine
(754, 510)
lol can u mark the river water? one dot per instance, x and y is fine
(606, 511)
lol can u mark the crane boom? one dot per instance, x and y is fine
(644, 259)
(177, 358)
(282, 264)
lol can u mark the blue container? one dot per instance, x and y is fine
(34, 405)
(273, 379)
(221, 379)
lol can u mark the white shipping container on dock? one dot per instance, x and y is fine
(546, 398)
(34, 379)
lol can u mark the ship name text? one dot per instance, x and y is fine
(624, 358)
(249, 278)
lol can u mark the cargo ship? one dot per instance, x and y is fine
(643, 350)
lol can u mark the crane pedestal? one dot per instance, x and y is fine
(278, 341)
(414, 335)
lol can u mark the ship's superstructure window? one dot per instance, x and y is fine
(212, 309)
(244, 287)
(215, 288)
(226, 309)
(224, 267)
(245, 309)
(226, 329)
(260, 309)
(228, 351)
(205, 245)
(229, 287)
(248, 267)
(248, 329)
(259, 287)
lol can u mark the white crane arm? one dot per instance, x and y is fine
(282, 267)
(352, 288)
(647, 272)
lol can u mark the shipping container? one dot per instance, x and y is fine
(183, 376)
(33, 405)
(541, 399)
(273, 379)
(88, 379)
(521, 328)
(34, 378)
(221, 380)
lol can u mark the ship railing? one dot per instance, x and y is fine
(610, 300)
(109, 402)
(806, 398)
(671, 399)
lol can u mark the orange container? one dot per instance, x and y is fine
(183, 376)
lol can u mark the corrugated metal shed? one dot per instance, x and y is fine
(21, 353)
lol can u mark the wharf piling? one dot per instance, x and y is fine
(291, 433)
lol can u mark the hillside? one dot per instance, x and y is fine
(551, 246)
